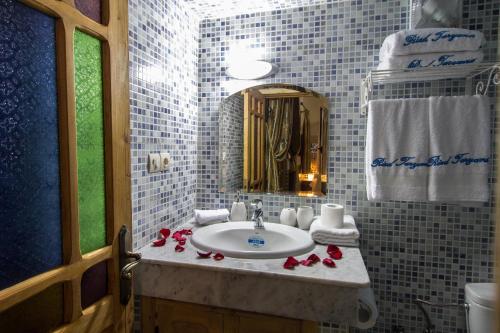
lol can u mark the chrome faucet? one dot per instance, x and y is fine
(257, 214)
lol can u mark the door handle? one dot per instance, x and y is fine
(126, 265)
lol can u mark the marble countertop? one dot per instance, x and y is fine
(350, 271)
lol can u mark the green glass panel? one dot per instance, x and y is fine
(90, 141)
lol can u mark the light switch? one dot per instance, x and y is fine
(164, 161)
(154, 163)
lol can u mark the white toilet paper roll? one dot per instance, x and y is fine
(367, 309)
(332, 215)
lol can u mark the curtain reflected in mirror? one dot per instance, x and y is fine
(274, 140)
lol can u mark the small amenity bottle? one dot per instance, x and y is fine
(238, 210)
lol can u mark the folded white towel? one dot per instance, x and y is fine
(431, 40)
(346, 236)
(460, 137)
(416, 61)
(396, 129)
(428, 149)
(204, 217)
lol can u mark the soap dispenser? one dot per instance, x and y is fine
(238, 210)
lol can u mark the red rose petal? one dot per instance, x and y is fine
(329, 262)
(182, 242)
(186, 232)
(306, 262)
(204, 254)
(332, 248)
(290, 263)
(218, 256)
(336, 255)
(179, 248)
(178, 236)
(334, 252)
(165, 232)
(314, 258)
(159, 242)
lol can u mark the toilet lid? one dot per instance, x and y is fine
(481, 293)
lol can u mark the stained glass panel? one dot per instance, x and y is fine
(40, 313)
(30, 222)
(90, 8)
(94, 284)
(90, 141)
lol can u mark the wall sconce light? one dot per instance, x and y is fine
(251, 69)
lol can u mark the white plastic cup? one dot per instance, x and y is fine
(288, 217)
(305, 215)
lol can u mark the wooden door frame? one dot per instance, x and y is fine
(113, 33)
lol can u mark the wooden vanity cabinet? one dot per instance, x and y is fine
(165, 316)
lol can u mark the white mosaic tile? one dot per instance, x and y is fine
(225, 8)
(163, 38)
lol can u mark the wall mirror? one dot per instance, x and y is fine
(273, 139)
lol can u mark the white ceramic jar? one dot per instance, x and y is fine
(305, 215)
(288, 216)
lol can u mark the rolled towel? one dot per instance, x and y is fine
(348, 235)
(205, 217)
(431, 40)
(431, 60)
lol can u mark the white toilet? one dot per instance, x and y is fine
(480, 298)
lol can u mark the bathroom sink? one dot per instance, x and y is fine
(241, 240)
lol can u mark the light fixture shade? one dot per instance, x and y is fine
(251, 70)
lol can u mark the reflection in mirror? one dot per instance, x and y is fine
(273, 139)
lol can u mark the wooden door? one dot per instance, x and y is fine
(253, 141)
(69, 57)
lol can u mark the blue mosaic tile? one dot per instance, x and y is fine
(178, 82)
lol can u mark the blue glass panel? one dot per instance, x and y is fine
(30, 222)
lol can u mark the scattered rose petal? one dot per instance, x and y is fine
(314, 258)
(290, 263)
(204, 254)
(334, 252)
(159, 242)
(218, 256)
(187, 232)
(165, 232)
(329, 262)
(182, 242)
(306, 262)
(179, 248)
(178, 236)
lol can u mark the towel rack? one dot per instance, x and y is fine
(467, 72)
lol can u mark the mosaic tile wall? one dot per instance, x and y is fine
(411, 249)
(163, 37)
(231, 173)
(226, 8)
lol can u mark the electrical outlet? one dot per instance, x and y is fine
(154, 163)
(164, 161)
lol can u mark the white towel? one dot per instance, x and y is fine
(431, 60)
(428, 149)
(431, 40)
(346, 236)
(460, 133)
(205, 217)
(396, 129)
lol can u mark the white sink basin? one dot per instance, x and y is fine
(241, 240)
